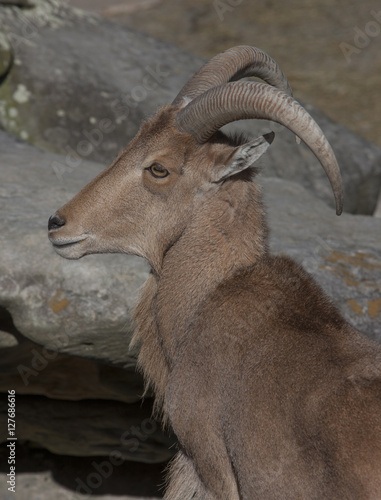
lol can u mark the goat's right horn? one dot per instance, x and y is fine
(233, 64)
(207, 113)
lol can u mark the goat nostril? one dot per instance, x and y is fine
(55, 222)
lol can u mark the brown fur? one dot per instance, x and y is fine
(271, 394)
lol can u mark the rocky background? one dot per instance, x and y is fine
(74, 88)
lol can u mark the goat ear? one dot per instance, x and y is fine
(245, 156)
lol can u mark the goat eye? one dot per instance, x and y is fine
(158, 171)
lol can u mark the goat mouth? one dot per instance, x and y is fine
(69, 248)
(67, 242)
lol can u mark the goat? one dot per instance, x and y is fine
(271, 393)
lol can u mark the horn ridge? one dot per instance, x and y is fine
(233, 101)
(232, 65)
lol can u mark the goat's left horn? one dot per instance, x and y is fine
(203, 116)
(233, 64)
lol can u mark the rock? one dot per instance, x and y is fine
(7, 340)
(93, 102)
(342, 253)
(359, 160)
(80, 308)
(41, 475)
(6, 56)
(95, 98)
(18, 3)
(91, 428)
(377, 212)
(30, 369)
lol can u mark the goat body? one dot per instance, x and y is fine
(271, 393)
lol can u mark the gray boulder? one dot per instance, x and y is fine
(7, 340)
(30, 369)
(91, 428)
(342, 253)
(377, 212)
(81, 308)
(6, 56)
(45, 476)
(88, 103)
(81, 85)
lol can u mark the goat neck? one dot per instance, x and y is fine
(218, 242)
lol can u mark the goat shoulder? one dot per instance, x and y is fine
(307, 378)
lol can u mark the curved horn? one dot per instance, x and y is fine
(241, 100)
(233, 64)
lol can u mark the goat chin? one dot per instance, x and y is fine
(271, 393)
